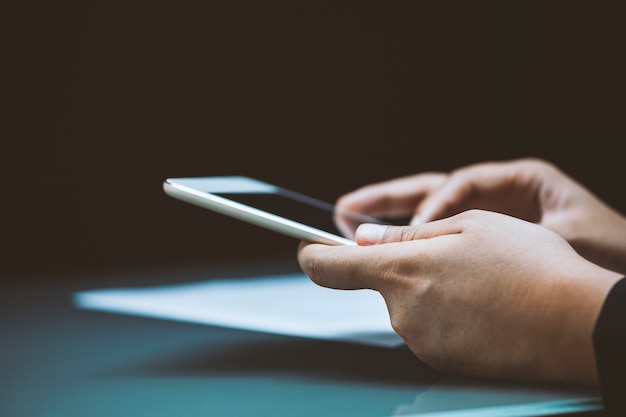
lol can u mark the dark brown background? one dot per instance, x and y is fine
(102, 100)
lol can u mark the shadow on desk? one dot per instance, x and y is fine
(287, 356)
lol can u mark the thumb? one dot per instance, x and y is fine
(373, 234)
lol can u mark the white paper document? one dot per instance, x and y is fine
(281, 304)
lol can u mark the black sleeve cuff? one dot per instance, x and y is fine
(609, 340)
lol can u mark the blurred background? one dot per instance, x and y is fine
(103, 100)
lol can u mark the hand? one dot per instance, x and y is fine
(479, 293)
(529, 189)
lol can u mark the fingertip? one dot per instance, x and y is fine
(369, 234)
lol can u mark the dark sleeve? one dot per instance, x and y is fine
(609, 339)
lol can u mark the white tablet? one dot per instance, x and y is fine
(269, 206)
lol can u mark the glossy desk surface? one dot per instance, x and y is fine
(60, 361)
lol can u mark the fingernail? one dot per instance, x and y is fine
(370, 234)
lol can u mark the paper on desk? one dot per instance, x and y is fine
(285, 304)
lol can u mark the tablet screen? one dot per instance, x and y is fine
(302, 209)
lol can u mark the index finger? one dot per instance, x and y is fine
(394, 198)
(342, 267)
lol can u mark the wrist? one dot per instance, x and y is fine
(578, 304)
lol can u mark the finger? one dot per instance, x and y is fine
(371, 266)
(342, 266)
(507, 187)
(394, 198)
(373, 234)
(450, 199)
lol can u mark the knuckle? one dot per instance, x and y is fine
(400, 234)
(532, 160)
(469, 216)
(472, 213)
(388, 277)
(407, 233)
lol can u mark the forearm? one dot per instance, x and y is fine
(574, 306)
